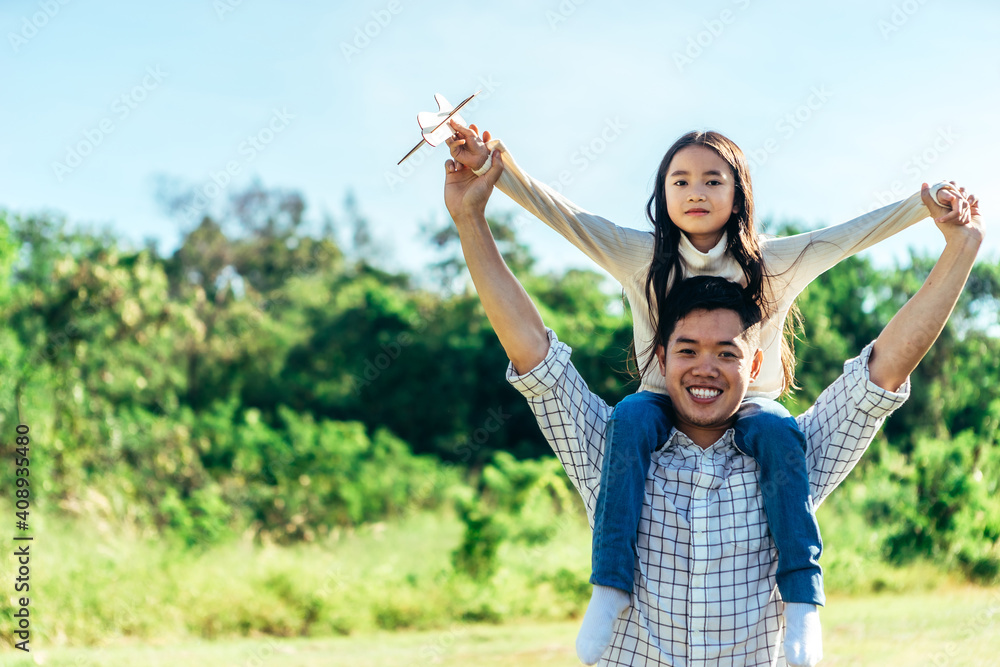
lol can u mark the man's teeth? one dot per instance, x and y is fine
(704, 393)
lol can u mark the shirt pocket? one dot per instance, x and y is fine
(744, 522)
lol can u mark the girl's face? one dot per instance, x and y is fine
(700, 189)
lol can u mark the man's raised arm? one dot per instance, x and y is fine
(912, 331)
(511, 312)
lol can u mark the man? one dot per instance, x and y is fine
(705, 571)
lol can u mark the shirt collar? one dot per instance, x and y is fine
(678, 439)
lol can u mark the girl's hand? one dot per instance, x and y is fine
(466, 194)
(963, 219)
(955, 205)
(466, 147)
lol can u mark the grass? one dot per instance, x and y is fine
(96, 585)
(954, 627)
(957, 627)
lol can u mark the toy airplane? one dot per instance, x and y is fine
(434, 124)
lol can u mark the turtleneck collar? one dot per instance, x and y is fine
(698, 259)
(715, 262)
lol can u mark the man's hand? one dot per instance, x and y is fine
(466, 147)
(466, 194)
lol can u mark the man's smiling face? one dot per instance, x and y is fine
(708, 363)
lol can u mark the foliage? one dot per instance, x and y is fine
(263, 379)
(524, 502)
(949, 507)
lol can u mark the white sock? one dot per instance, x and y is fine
(803, 635)
(606, 605)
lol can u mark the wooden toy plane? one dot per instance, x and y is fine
(434, 124)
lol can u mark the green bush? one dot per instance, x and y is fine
(524, 502)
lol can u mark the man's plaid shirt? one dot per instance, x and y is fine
(705, 592)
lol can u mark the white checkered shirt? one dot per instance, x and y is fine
(705, 590)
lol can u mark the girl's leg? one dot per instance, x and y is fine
(638, 426)
(766, 431)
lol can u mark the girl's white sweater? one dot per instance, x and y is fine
(625, 253)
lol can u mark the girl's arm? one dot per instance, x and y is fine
(795, 261)
(620, 251)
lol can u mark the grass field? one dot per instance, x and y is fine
(958, 627)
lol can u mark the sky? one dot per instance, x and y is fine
(840, 107)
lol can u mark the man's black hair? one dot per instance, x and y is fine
(707, 293)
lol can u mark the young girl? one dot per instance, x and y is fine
(702, 213)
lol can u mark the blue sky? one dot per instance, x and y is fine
(839, 106)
